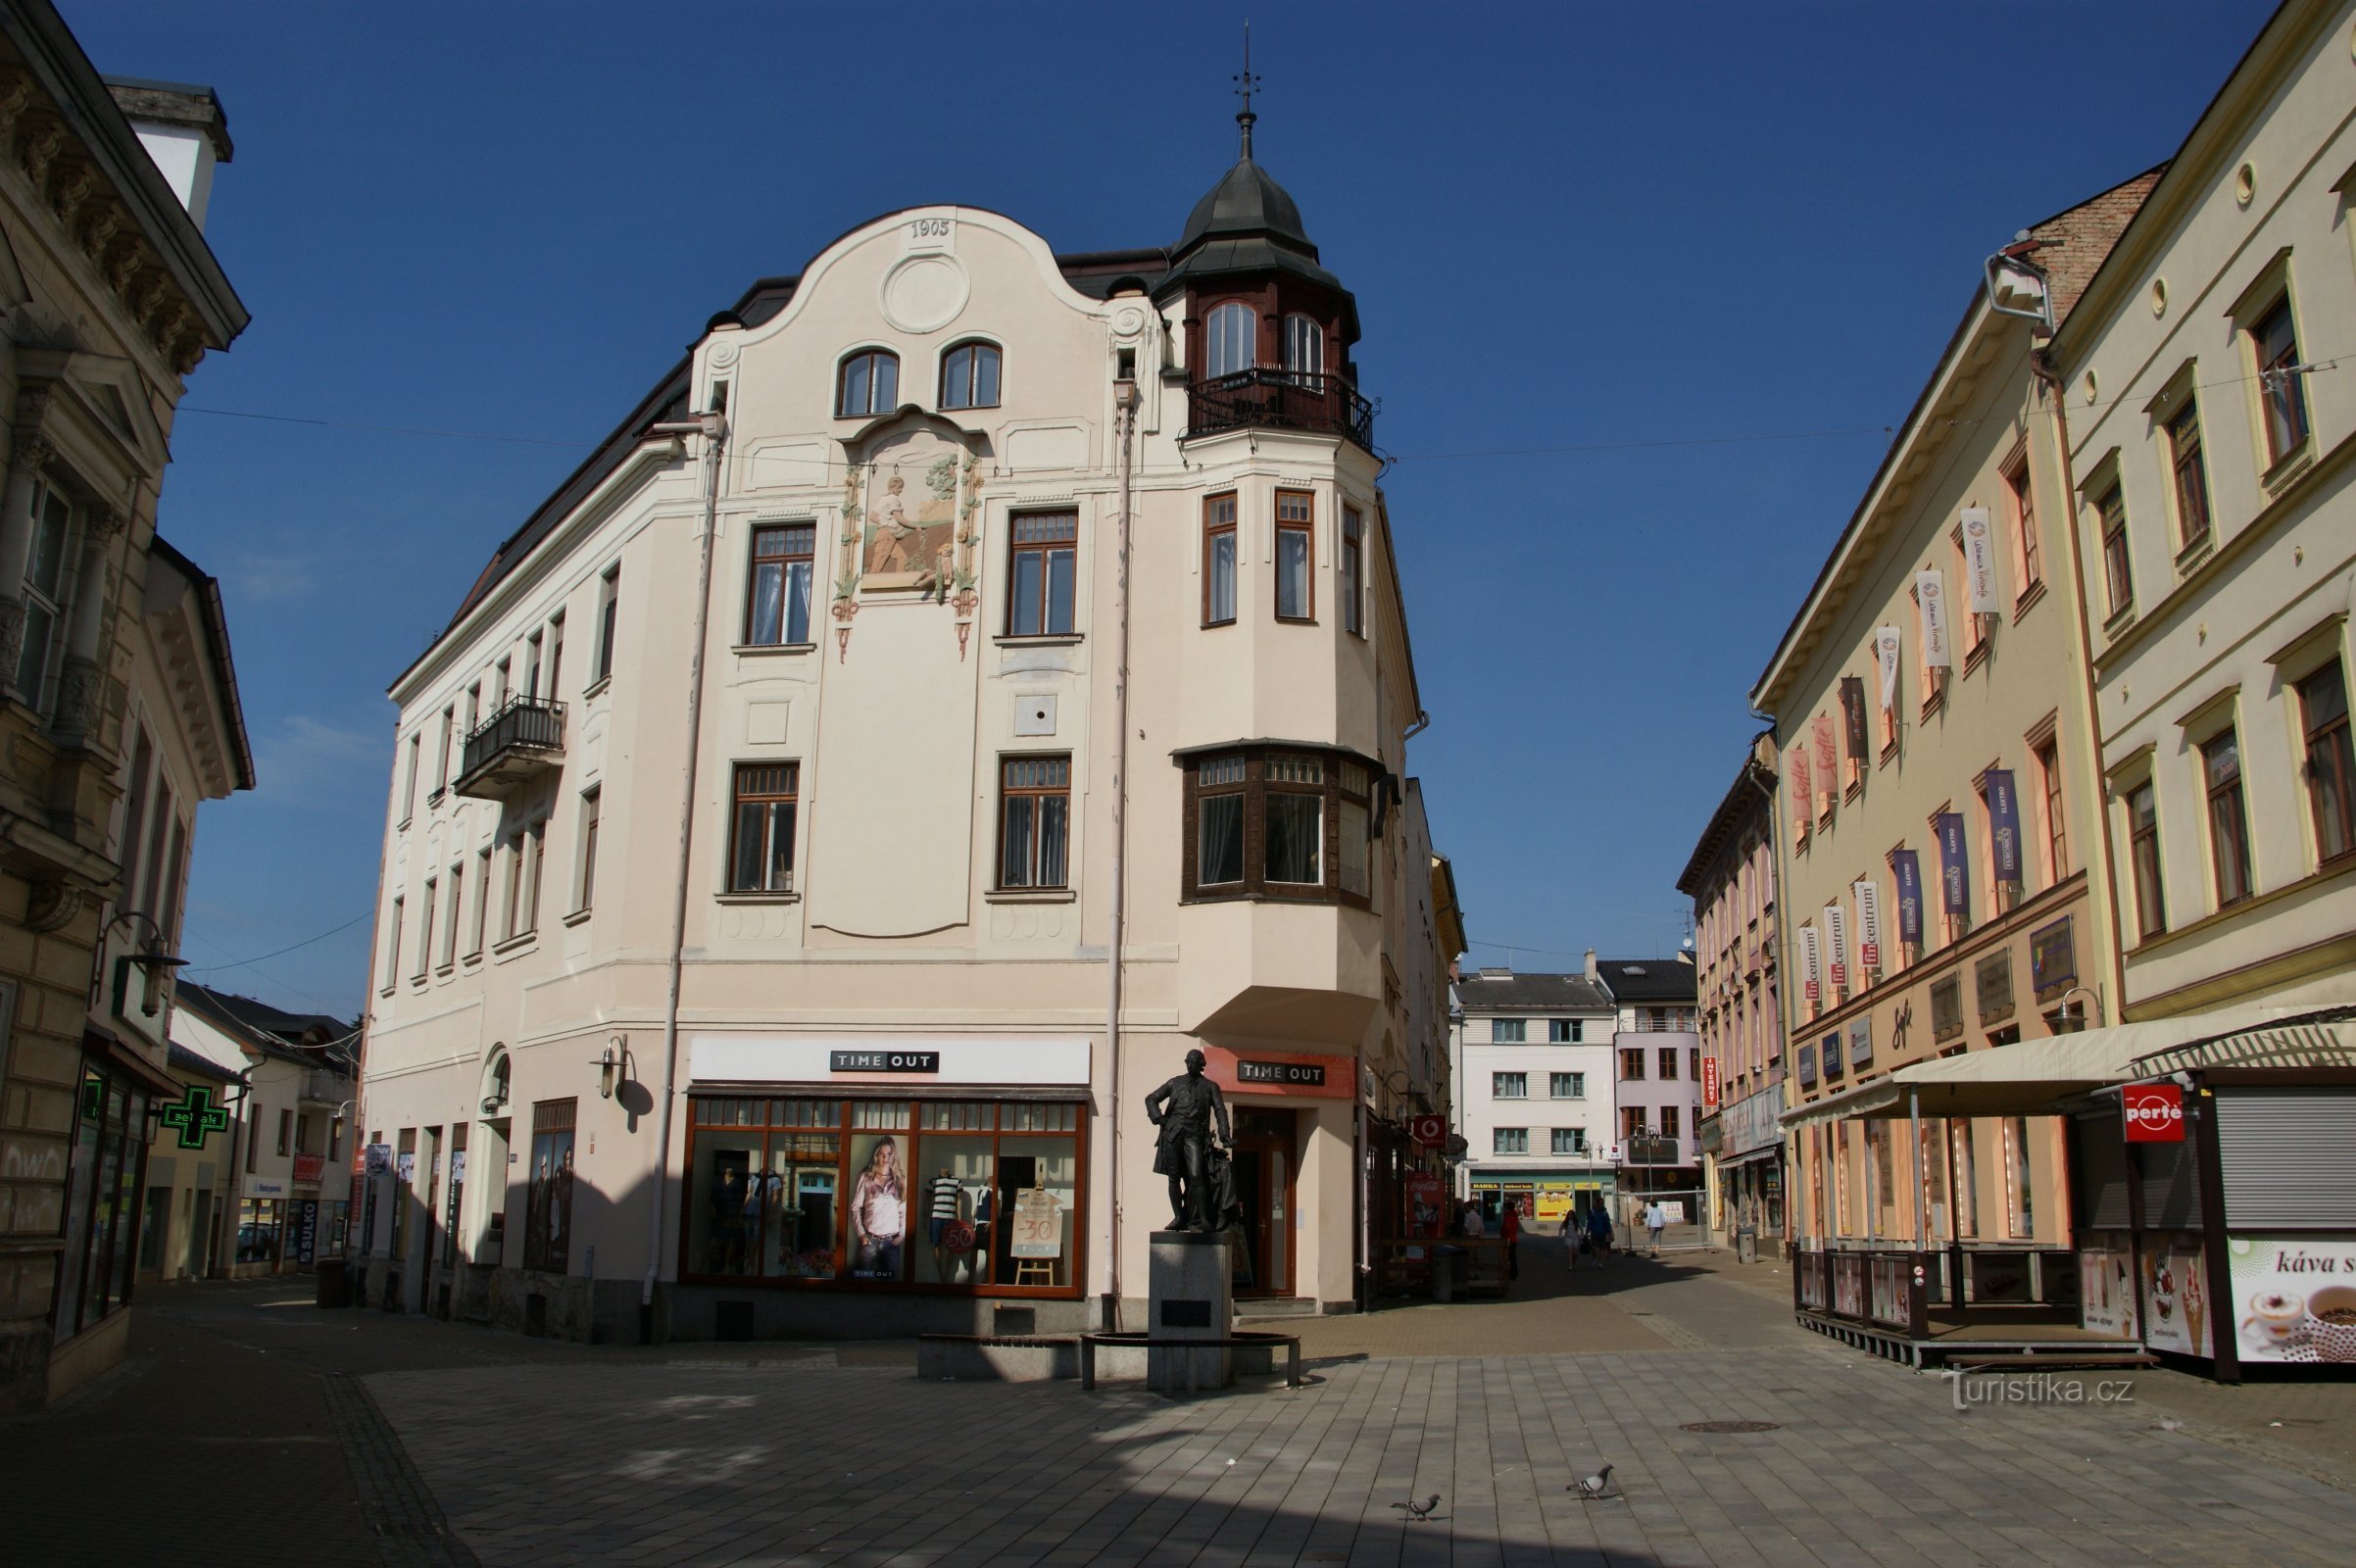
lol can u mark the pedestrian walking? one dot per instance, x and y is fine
(1656, 1220)
(1599, 1234)
(1574, 1238)
(1510, 1228)
(1472, 1220)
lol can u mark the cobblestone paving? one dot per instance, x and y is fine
(811, 1464)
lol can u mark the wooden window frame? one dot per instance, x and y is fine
(1055, 786)
(1305, 526)
(2118, 566)
(2027, 552)
(1220, 514)
(456, 881)
(482, 901)
(2188, 479)
(1213, 371)
(2145, 866)
(425, 914)
(787, 777)
(585, 879)
(973, 348)
(2281, 386)
(1316, 340)
(872, 357)
(1020, 551)
(2046, 754)
(608, 623)
(775, 547)
(1631, 1056)
(2327, 742)
(1352, 586)
(2226, 802)
(1335, 790)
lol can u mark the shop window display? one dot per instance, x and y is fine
(261, 1222)
(948, 1195)
(548, 1214)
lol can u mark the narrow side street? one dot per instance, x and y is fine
(359, 1436)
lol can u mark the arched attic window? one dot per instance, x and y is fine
(1304, 345)
(869, 382)
(1229, 335)
(970, 376)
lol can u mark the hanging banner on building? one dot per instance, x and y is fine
(1886, 642)
(1979, 561)
(1907, 867)
(1852, 713)
(1931, 598)
(1835, 944)
(1869, 924)
(1827, 760)
(1955, 871)
(1811, 964)
(1709, 1082)
(1803, 794)
(2004, 825)
(1426, 1204)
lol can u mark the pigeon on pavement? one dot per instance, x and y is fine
(1594, 1487)
(1419, 1510)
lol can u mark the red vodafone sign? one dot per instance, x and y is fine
(2154, 1113)
(1429, 1130)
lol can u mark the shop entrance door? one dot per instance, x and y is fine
(1264, 1183)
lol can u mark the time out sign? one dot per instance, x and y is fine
(2154, 1113)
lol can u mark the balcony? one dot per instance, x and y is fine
(519, 745)
(1283, 400)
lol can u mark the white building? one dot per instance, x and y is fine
(761, 982)
(1534, 1089)
(1656, 1070)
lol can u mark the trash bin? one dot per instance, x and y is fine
(1746, 1244)
(335, 1284)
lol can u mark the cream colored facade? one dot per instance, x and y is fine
(2013, 700)
(898, 936)
(2239, 567)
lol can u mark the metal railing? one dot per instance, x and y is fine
(527, 723)
(1288, 400)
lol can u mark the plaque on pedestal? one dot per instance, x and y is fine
(1190, 1296)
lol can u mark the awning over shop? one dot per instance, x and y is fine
(2034, 1077)
(1751, 1156)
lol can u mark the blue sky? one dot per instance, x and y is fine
(1643, 288)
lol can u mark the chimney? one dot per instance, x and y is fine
(1594, 970)
(184, 131)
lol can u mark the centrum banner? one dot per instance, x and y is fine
(1835, 944)
(1869, 924)
(1811, 962)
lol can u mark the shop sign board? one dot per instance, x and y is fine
(1428, 1131)
(923, 1061)
(380, 1159)
(2294, 1297)
(1006, 1060)
(264, 1187)
(310, 1167)
(1038, 1225)
(1284, 1074)
(1272, 1072)
(306, 1239)
(2154, 1113)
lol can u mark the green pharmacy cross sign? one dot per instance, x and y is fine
(194, 1117)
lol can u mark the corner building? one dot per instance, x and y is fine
(887, 1098)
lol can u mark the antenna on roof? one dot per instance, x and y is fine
(1243, 89)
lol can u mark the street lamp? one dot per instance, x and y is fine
(156, 964)
(2070, 1023)
(613, 1066)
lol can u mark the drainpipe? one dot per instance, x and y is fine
(1124, 400)
(713, 428)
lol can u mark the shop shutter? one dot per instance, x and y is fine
(2284, 1157)
(2171, 1188)
(2101, 1173)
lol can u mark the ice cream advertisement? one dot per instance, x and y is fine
(2294, 1297)
(2106, 1297)
(2177, 1300)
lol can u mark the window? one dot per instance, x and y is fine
(135, 816)
(2280, 389)
(2057, 842)
(502, 676)
(2112, 513)
(474, 706)
(1693, 1064)
(1570, 1141)
(2330, 769)
(2192, 477)
(970, 376)
(1566, 1031)
(1508, 1030)
(1034, 822)
(1219, 785)
(1228, 335)
(392, 945)
(556, 653)
(2143, 840)
(532, 649)
(1671, 1121)
(44, 591)
(777, 596)
(482, 903)
(1668, 1064)
(761, 859)
(425, 932)
(585, 880)
(457, 905)
(2024, 1192)
(608, 606)
(302, 1135)
(1218, 560)
(1632, 1063)
(1509, 1086)
(1353, 572)
(1353, 828)
(1974, 622)
(1294, 839)
(1304, 345)
(537, 841)
(1566, 1086)
(868, 383)
(285, 1131)
(2024, 524)
(1044, 551)
(2229, 817)
(441, 750)
(1632, 1122)
(408, 790)
(1510, 1141)
(548, 1194)
(513, 879)
(1296, 598)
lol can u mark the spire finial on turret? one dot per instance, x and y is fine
(1243, 88)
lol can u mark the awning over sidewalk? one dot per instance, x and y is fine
(2034, 1077)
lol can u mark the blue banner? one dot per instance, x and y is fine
(2004, 825)
(1954, 869)
(1909, 868)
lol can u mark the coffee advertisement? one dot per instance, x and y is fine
(2177, 1299)
(2294, 1297)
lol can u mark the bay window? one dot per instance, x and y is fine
(1278, 821)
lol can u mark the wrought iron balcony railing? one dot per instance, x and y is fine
(522, 739)
(1285, 400)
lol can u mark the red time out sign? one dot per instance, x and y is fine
(2154, 1113)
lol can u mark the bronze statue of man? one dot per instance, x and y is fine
(1184, 1108)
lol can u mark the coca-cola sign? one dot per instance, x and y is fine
(2154, 1113)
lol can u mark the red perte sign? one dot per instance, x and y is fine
(1429, 1130)
(2155, 1113)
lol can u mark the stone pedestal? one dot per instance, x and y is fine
(1190, 1296)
